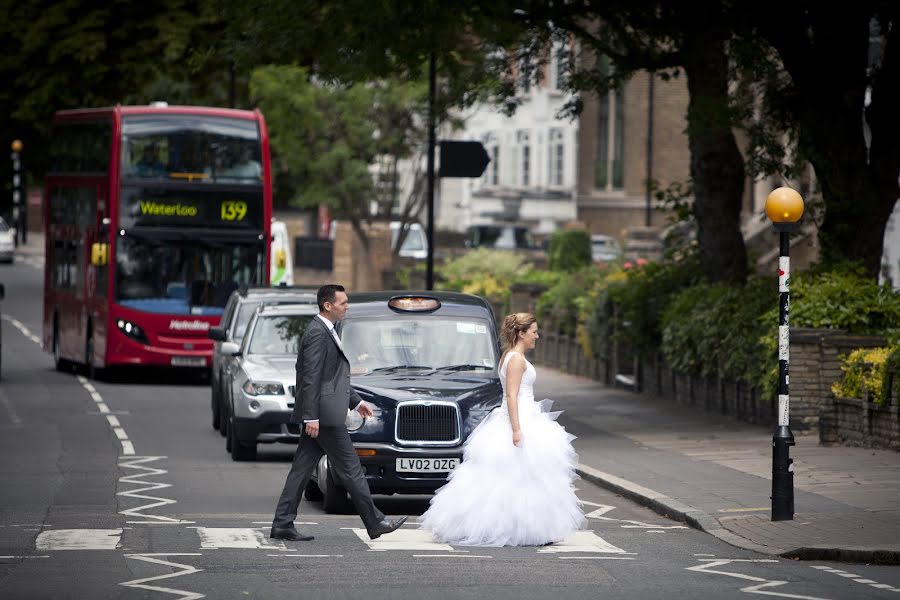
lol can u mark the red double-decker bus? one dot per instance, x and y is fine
(153, 216)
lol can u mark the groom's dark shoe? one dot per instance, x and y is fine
(290, 534)
(386, 526)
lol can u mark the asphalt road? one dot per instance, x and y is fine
(121, 489)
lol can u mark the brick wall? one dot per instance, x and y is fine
(359, 268)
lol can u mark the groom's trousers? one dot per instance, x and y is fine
(335, 443)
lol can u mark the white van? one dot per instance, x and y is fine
(281, 263)
(415, 245)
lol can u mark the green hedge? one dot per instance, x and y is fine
(570, 250)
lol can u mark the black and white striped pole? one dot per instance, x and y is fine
(784, 207)
(18, 194)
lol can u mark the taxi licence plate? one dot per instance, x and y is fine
(188, 361)
(426, 465)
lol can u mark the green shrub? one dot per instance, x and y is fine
(864, 371)
(484, 272)
(715, 330)
(631, 302)
(560, 303)
(570, 250)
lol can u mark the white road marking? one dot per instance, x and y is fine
(856, 578)
(113, 420)
(185, 570)
(600, 513)
(403, 539)
(20, 557)
(583, 541)
(752, 589)
(127, 449)
(235, 537)
(740, 510)
(136, 462)
(309, 555)
(451, 556)
(596, 558)
(25, 331)
(10, 411)
(79, 539)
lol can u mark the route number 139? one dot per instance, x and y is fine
(234, 210)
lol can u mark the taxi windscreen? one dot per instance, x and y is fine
(448, 343)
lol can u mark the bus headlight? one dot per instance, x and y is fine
(133, 331)
(262, 388)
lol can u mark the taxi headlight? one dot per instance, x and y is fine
(354, 420)
(263, 388)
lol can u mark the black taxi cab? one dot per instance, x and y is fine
(426, 362)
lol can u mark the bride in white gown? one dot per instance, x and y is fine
(514, 485)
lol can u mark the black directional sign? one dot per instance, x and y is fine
(462, 159)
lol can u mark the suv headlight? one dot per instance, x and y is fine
(263, 388)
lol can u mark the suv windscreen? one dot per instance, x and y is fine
(278, 334)
(432, 343)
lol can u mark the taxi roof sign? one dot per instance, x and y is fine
(414, 303)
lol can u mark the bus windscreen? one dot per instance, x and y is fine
(191, 148)
(183, 277)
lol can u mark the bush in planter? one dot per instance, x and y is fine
(864, 373)
(570, 250)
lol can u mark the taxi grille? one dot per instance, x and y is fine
(428, 423)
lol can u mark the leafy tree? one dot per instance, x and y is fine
(340, 145)
(833, 92)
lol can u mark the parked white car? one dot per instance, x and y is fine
(7, 242)
(604, 248)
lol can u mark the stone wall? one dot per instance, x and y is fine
(358, 268)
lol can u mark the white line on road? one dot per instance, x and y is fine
(10, 411)
(856, 578)
(127, 449)
(309, 555)
(451, 556)
(235, 537)
(79, 539)
(185, 570)
(602, 509)
(20, 557)
(596, 558)
(708, 565)
(25, 331)
(136, 462)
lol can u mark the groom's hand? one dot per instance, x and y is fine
(365, 410)
(312, 429)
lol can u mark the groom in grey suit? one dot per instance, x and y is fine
(323, 396)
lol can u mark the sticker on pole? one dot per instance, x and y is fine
(784, 273)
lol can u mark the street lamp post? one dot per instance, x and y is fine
(784, 208)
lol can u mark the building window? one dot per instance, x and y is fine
(491, 144)
(609, 171)
(523, 142)
(558, 66)
(557, 155)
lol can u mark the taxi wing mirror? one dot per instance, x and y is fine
(99, 254)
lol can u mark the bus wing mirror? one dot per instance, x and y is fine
(99, 254)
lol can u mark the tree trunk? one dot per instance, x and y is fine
(717, 167)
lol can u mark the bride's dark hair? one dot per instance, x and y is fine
(512, 325)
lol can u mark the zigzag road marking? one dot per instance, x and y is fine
(751, 589)
(185, 570)
(605, 508)
(136, 462)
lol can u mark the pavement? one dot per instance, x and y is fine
(714, 473)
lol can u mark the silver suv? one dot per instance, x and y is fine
(238, 310)
(259, 389)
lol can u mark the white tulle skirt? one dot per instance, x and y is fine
(504, 495)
